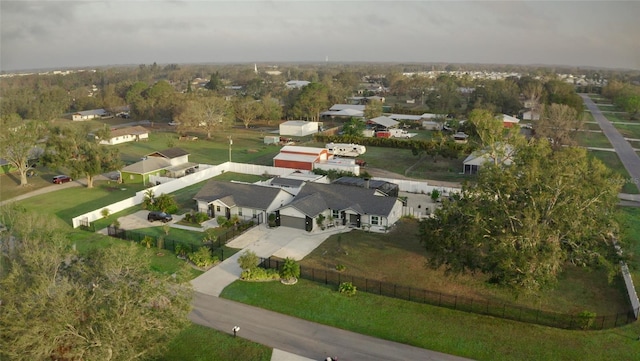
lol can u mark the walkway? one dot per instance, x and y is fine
(627, 155)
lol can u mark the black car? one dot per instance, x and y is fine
(159, 216)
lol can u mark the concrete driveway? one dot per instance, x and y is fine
(264, 242)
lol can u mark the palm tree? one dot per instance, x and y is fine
(290, 271)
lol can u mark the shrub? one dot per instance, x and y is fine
(181, 250)
(290, 269)
(200, 217)
(260, 274)
(272, 220)
(248, 260)
(147, 241)
(341, 267)
(586, 319)
(105, 212)
(222, 221)
(202, 257)
(347, 288)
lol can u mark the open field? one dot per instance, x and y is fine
(619, 117)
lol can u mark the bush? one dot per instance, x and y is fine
(347, 288)
(260, 274)
(200, 217)
(202, 258)
(341, 267)
(181, 250)
(147, 241)
(248, 260)
(586, 319)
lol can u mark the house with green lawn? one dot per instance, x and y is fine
(172, 162)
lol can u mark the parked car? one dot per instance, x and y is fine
(59, 179)
(159, 216)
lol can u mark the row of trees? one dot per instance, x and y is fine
(23, 142)
(624, 95)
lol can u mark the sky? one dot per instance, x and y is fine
(67, 34)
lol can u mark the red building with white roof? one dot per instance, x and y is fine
(296, 157)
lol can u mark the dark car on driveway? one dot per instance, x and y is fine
(59, 179)
(159, 216)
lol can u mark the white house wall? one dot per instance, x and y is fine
(283, 198)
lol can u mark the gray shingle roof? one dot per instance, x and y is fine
(147, 165)
(171, 153)
(286, 182)
(341, 197)
(238, 194)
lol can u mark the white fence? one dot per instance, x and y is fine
(169, 185)
(175, 184)
(410, 186)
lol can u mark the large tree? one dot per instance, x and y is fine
(18, 140)
(521, 224)
(560, 124)
(271, 109)
(373, 109)
(59, 304)
(72, 148)
(206, 113)
(311, 100)
(247, 110)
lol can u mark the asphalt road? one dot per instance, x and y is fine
(627, 156)
(301, 337)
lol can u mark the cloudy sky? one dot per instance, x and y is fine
(57, 34)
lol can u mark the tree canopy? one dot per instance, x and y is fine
(520, 224)
(59, 304)
(18, 140)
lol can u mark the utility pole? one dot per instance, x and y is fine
(230, 144)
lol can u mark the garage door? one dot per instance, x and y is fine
(293, 222)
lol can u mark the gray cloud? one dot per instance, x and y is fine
(39, 34)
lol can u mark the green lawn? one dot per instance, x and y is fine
(619, 117)
(435, 328)
(71, 202)
(629, 130)
(630, 238)
(591, 139)
(199, 343)
(611, 160)
(248, 147)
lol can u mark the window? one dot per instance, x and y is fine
(217, 208)
(375, 220)
(240, 211)
(335, 214)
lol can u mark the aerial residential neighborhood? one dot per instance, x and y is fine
(288, 183)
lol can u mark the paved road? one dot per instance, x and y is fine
(627, 155)
(300, 337)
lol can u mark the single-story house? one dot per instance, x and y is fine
(172, 162)
(247, 201)
(362, 208)
(297, 157)
(345, 110)
(531, 115)
(383, 122)
(298, 128)
(296, 84)
(508, 120)
(475, 160)
(89, 114)
(431, 125)
(128, 134)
